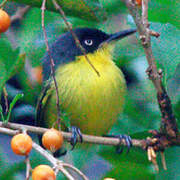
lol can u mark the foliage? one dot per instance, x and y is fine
(7, 118)
(141, 111)
(10, 60)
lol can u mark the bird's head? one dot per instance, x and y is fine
(65, 49)
(93, 39)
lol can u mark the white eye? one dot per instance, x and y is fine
(88, 42)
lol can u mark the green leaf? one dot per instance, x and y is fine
(177, 112)
(85, 9)
(173, 87)
(133, 165)
(1, 114)
(127, 48)
(166, 48)
(30, 35)
(65, 120)
(9, 172)
(30, 90)
(16, 98)
(141, 135)
(7, 54)
(165, 11)
(17, 66)
(173, 163)
(3, 75)
(113, 6)
(134, 118)
(10, 61)
(166, 2)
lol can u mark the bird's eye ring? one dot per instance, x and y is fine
(88, 42)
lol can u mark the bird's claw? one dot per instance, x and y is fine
(127, 139)
(75, 134)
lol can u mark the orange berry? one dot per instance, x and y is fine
(5, 21)
(52, 140)
(139, 2)
(43, 172)
(21, 144)
(37, 74)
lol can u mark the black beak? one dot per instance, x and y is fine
(119, 35)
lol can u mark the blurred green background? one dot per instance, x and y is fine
(23, 46)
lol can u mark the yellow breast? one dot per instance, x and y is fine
(92, 102)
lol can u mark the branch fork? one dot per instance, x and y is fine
(168, 130)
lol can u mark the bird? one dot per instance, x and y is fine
(91, 102)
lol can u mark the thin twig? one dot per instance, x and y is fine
(28, 168)
(145, 13)
(168, 120)
(168, 127)
(56, 163)
(8, 131)
(67, 136)
(149, 144)
(154, 33)
(145, 39)
(66, 173)
(163, 160)
(75, 169)
(52, 64)
(6, 99)
(3, 3)
(88, 138)
(78, 44)
(152, 157)
(168, 123)
(44, 153)
(18, 16)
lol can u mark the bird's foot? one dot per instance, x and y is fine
(76, 133)
(127, 139)
(60, 152)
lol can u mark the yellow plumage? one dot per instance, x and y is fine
(92, 102)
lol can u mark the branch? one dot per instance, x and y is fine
(73, 8)
(6, 99)
(18, 16)
(58, 7)
(150, 144)
(3, 3)
(144, 143)
(168, 123)
(58, 165)
(75, 170)
(67, 136)
(78, 44)
(28, 168)
(43, 7)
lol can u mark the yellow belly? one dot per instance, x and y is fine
(92, 103)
